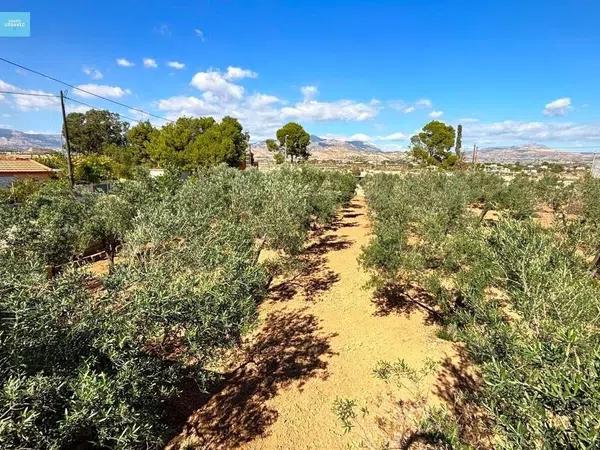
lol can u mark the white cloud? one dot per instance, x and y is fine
(163, 29)
(71, 108)
(28, 102)
(436, 114)
(262, 100)
(216, 84)
(200, 34)
(150, 63)
(94, 74)
(399, 136)
(176, 65)
(101, 89)
(558, 107)
(237, 73)
(360, 137)
(539, 132)
(260, 113)
(309, 92)
(409, 107)
(124, 62)
(337, 110)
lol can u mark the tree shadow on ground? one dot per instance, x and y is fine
(290, 350)
(458, 384)
(313, 277)
(396, 298)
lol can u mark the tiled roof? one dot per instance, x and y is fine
(22, 166)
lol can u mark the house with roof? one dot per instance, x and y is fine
(13, 169)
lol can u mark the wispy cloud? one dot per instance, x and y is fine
(101, 89)
(221, 93)
(176, 65)
(94, 74)
(309, 92)
(540, 132)
(199, 34)
(409, 107)
(163, 29)
(237, 73)
(28, 102)
(124, 62)
(436, 114)
(150, 63)
(558, 107)
(398, 136)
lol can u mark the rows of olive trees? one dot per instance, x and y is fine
(521, 296)
(83, 365)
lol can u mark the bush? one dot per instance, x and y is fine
(519, 296)
(87, 366)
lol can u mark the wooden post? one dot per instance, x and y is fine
(68, 144)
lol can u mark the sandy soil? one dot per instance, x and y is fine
(321, 333)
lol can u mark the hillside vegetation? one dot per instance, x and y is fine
(521, 297)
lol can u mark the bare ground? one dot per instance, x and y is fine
(321, 334)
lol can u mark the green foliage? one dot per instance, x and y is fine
(344, 409)
(439, 428)
(45, 226)
(294, 140)
(92, 168)
(92, 131)
(521, 297)
(272, 145)
(458, 145)
(138, 138)
(87, 366)
(190, 143)
(432, 145)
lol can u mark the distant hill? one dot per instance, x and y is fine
(530, 153)
(14, 140)
(322, 149)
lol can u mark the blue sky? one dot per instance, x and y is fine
(511, 72)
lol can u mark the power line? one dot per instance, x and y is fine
(67, 98)
(83, 90)
(94, 107)
(33, 94)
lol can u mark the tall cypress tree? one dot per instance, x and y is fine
(459, 141)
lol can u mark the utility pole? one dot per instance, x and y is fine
(69, 162)
(285, 148)
(474, 154)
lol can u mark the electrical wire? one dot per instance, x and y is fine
(33, 94)
(83, 90)
(94, 107)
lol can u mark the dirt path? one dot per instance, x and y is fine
(320, 337)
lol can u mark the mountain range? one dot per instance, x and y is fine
(325, 149)
(529, 153)
(18, 141)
